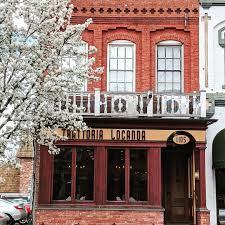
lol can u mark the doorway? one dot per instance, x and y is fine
(178, 184)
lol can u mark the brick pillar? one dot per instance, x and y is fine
(155, 177)
(25, 155)
(203, 214)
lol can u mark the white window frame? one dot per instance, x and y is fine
(84, 89)
(169, 43)
(122, 43)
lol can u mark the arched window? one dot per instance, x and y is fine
(169, 66)
(121, 66)
(74, 56)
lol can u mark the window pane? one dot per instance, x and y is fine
(176, 64)
(85, 174)
(121, 52)
(161, 77)
(121, 64)
(176, 51)
(169, 64)
(113, 64)
(116, 175)
(169, 77)
(129, 76)
(113, 87)
(177, 87)
(169, 87)
(161, 52)
(176, 76)
(113, 52)
(121, 87)
(113, 76)
(62, 175)
(138, 175)
(169, 52)
(129, 64)
(129, 87)
(129, 52)
(121, 76)
(161, 64)
(161, 87)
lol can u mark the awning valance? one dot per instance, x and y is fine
(218, 150)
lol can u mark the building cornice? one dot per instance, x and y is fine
(209, 3)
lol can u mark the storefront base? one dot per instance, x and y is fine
(203, 217)
(98, 217)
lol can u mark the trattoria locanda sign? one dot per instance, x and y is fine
(126, 134)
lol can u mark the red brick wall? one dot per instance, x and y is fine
(145, 23)
(26, 171)
(203, 217)
(71, 217)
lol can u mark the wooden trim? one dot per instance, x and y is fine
(127, 175)
(73, 175)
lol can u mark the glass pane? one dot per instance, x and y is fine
(121, 87)
(169, 77)
(161, 64)
(113, 64)
(121, 76)
(161, 87)
(138, 175)
(176, 52)
(113, 52)
(129, 76)
(129, 87)
(116, 175)
(169, 87)
(176, 76)
(176, 64)
(161, 77)
(129, 52)
(113, 76)
(169, 64)
(113, 87)
(85, 174)
(121, 64)
(62, 175)
(121, 52)
(129, 64)
(169, 52)
(177, 87)
(161, 52)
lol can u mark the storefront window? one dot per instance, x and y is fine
(62, 175)
(138, 175)
(116, 175)
(84, 174)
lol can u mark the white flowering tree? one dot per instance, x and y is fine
(33, 34)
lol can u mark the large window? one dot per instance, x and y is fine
(74, 57)
(121, 66)
(73, 178)
(169, 66)
(106, 176)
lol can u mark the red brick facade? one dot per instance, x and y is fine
(94, 217)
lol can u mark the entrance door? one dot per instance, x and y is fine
(178, 186)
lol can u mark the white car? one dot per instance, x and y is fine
(15, 212)
(3, 219)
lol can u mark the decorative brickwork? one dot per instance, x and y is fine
(11, 179)
(96, 217)
(203, 217)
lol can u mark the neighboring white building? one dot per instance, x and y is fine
(212, 79)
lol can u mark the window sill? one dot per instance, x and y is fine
(100, 207)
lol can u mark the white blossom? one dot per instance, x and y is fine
(33, 34)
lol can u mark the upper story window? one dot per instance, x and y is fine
(121, 66)
(169, 66)
(73, 57)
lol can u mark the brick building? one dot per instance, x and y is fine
(143, 159)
